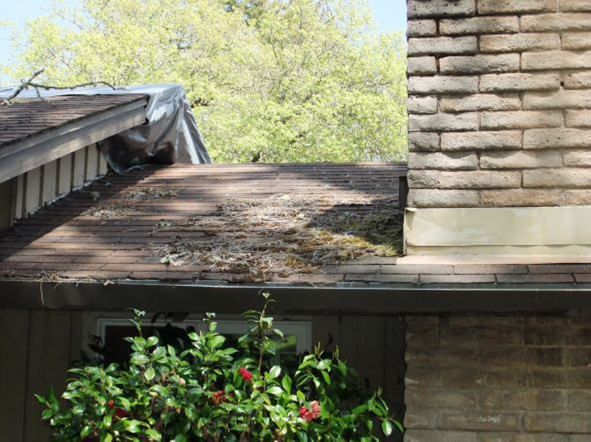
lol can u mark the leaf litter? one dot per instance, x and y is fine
(284, 234)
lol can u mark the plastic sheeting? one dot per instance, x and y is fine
(170, 135)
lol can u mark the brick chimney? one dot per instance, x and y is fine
(499, 128)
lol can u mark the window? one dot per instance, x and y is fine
(113, 331)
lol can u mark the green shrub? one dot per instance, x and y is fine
(212, 392)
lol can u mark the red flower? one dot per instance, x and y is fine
(306, 414)
(120, 413)
(111, 403)
(218, 397)
(310, 415)
(315, 409)
(246, 375)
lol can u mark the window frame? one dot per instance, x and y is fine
(301, 329)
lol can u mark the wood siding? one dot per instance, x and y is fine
(36, 348)
(25, 194)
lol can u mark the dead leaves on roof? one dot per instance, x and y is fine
(108, 211)
(284, 235)
(149, 193)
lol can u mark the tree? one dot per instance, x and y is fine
(286, 80)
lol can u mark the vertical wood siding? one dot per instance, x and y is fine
(37, 347)
(28, 192)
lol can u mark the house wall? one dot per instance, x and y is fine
(499, 117)
(477, 379)
(25, 194)
(42, 344)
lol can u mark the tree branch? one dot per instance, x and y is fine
(24, 85)
(37, 86)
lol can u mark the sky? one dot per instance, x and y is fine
(390, 15)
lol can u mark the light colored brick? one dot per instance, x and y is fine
(577, 158)
(481, 140)
(576, 198)
(519, 42)
(520, 119)
(440, 436)
(556, 138)
(523, 437)
(439, 160)
(439, 356)
(578, 118)
(520, 198)
(423, 418)
(440, 8)
(520, 159)
(510, 6)
(519, 82)
(579, 400)
(563, 99)
(430, 179)
(564, 177)
(422, 66)
(422, 105)
(576, 40)
(479, 420)
(478, 102)
(442, 85)
(443, 122)
(577, 80)
(530, 399)
(443, 198)
(479, 64)
(441, 398)
(557, 422)
(442, 45)
(421, 28)
(479, 25)
(423, 141)
(575, 6)
(555, 60)
(483, 334)
(556, 22)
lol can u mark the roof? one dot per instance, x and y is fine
(240, 223)
(329, 227)
(27, 117)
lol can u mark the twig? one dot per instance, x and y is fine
(30, 84)
(76, 86)
(24, 85)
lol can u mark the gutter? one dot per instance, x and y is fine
(344, 299)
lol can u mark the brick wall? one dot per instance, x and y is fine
(476, 379)
(499, 103)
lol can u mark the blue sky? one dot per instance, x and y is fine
(390, 15)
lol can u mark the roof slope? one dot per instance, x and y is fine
(239, 223)
(312, 224)
(27, 117)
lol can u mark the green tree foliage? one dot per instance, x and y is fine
(286, 80)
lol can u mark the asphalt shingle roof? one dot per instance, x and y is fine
(130, 227)
(26, 117)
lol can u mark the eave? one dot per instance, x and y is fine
(34, 151)
(343, 299)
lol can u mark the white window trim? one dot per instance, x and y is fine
(301, 329)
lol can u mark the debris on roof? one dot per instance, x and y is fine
(285, 234)
(239, 223)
